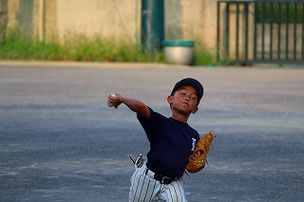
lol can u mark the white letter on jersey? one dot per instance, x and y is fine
(193, 144)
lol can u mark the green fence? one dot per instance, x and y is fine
(260, 31)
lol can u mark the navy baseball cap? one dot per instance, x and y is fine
(190, 82)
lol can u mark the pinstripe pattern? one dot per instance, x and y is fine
(173, 192)
(144, 188)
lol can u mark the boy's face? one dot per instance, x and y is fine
(184, 100)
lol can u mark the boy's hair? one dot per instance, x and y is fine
(190, 82)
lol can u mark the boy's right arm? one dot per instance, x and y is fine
(133, 104)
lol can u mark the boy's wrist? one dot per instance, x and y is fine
(122, 99)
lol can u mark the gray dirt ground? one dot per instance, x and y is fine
(59, 141)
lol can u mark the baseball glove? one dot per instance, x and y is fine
(198, 158)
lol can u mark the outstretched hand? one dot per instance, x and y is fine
(114, 100)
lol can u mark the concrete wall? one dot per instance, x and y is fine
(117, 19)
(111, 19)
(48, 19)
(26, 16)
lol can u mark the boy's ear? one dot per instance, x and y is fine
(195, 110)
(170, 99)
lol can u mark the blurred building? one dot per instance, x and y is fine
(116, 19)
(233, 30)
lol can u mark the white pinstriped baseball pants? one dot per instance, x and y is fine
(146, 188)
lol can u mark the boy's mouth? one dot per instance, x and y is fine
(185, 103)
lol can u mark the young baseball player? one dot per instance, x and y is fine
(172, 141)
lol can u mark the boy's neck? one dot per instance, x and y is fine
(180, 117)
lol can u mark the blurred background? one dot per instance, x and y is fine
(224, 32)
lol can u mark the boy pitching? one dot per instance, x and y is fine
(172, 141)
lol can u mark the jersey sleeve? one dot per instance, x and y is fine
(149, 125)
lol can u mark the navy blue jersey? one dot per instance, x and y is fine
(171, 144)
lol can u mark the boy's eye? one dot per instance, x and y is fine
(193, 98)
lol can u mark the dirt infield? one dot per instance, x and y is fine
(59, 141)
